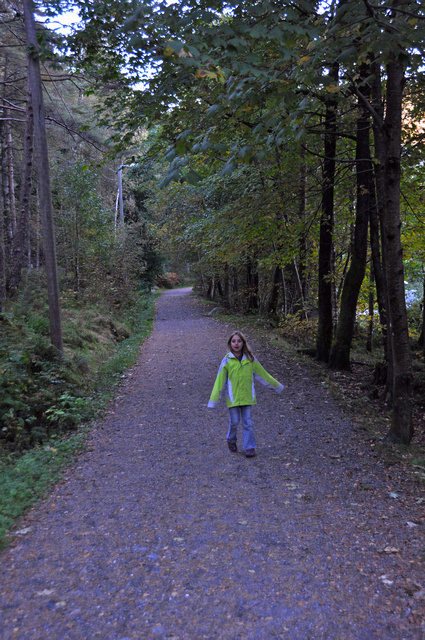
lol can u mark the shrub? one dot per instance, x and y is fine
(301, 332)
(168, 281)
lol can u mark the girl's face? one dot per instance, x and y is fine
(236, 345)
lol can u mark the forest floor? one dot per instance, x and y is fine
(159, 531)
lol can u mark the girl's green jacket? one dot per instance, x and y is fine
(238, 377)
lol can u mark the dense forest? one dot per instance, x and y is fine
(269, 153)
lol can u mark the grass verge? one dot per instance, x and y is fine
(26, 478)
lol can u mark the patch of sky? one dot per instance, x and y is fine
(64, 23)
(413, 295)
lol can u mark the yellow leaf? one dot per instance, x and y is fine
(332, 88)
(304, 59)
(168, 51)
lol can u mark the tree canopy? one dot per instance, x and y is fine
(286, 137)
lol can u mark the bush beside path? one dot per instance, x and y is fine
(158, 531)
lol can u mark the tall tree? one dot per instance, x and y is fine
(43, 177)
(20, 240)
(402, 424)
(325, 274)
(340, 356)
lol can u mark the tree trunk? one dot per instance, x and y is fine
(300, 303)
(76, 252)
(377, 211)
(284, 292)
(211, 288)
(37, 231)
(21, 236)
(340, 356)
(227, 286)
(402, 426)
(44, 178)
(120, 197)
(252, 286)
(2, 248)
(8, 142)
(302, 244)
(324, 331)
(274, 294)
(5, 188)
(377, 269)
(421, 341)
(371, 309)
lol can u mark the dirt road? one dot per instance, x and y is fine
(159, 531)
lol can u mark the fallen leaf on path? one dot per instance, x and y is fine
(23, 532)
(389, 549)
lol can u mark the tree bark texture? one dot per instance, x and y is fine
(10, 172)
(325, 326)
(402, 425)
(5, 183)
(2, 246)
(21, 236)
(421, 341)
(340, 356)
(371, 310)
(377, 213)
(303, 249)
(274, 293)
(43, 178)
(252, 286)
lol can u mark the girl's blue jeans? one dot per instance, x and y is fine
(236, 414)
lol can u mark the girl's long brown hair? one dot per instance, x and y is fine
(245, 346)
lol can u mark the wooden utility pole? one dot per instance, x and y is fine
(43, 177)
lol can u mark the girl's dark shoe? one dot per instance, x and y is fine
(250, 453)
(232, 446)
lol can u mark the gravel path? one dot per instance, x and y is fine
(158, 531)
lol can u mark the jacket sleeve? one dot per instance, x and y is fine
(219, 384)
(265, 378)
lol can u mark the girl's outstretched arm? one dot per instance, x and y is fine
(219, 385)
(265, 378)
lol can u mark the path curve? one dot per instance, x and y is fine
(158, 531)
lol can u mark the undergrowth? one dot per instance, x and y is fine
(43, 392)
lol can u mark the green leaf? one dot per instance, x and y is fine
(229, 169)
(174, 176)
(215, 109)
(193, 177)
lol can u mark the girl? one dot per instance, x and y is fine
(238, 370)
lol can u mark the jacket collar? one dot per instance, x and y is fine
(232, 355)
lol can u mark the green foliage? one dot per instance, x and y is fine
(41, 392)
(68, 411)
